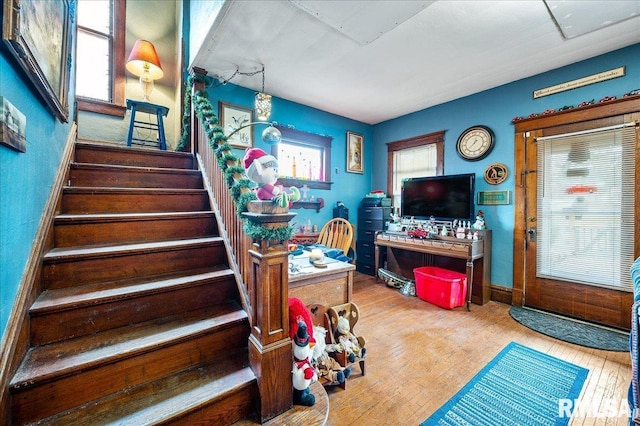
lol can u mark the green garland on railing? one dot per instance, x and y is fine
(240, 187)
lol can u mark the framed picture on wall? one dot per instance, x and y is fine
(233, 117)
(355, 153)
(37, 34)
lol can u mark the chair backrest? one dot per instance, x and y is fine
(319, 317)
(348, 310)
(337, 234)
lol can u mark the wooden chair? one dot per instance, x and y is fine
(319, 317)
(352, 313)
(337, 234)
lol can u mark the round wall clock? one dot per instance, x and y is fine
(496, 173)
(475, 143)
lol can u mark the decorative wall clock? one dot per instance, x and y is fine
(496, 173)
(475, 143)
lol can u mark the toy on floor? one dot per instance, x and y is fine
(303, 372)
(348, 341)
(330, 372)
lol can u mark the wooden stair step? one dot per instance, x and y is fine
(86, 152)
(79, 311)
(73, 230)
(187, 394)
(48, 378)
(77, 266)
(78, 200)
(119, 176)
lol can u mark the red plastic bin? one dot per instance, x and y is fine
(442, 287)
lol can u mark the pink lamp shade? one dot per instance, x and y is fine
(144, 61)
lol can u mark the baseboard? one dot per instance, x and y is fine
(15, 341)
(502, 294)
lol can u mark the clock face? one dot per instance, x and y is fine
(475, 143)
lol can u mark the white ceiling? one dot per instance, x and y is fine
(376, 60)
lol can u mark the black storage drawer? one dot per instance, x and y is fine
(370, 221)
(371, 224)
(374, 213)
(366, 268)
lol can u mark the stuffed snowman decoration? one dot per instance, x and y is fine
(301, 334)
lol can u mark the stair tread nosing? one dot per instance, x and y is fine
(129, 168)
(60, 359)
(62, 219)
(95, 294)
(167, 398)
(119, 190)
(72, 253)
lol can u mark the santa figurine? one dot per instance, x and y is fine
(262, 168)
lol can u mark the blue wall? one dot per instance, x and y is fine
(349, 188)
(26, 178)
(496, 108)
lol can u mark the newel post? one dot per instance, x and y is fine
(270, 352)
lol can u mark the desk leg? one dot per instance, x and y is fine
(469, 283)
(376, 257)
(131, 123)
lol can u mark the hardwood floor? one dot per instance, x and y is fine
(419, 355)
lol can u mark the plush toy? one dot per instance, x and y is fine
(303, 372)
(262, 168)
(348, 341)
(330, 372)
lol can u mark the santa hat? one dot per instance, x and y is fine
(254, 161)
(299, 311)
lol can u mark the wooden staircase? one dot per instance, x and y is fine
(139, 319)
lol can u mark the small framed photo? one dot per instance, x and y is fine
(233, 117)
(13, 126)
(355, 153)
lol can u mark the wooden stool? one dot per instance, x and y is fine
(158, 110)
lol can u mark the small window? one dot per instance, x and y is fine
(415, 157)
(100, 56)
(303, 159)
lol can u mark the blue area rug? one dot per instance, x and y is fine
(520, 386)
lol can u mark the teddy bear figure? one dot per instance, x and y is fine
(330, 372)
(348, 342)
(262, 168)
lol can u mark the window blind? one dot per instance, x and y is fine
(412, 162)
(585, 207)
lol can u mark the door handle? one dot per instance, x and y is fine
(532, 234)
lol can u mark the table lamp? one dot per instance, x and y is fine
(144, 63)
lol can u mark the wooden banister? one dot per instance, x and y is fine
(261, 269)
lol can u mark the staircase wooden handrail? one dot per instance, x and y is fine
(261, 273)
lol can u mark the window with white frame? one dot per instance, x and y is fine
(100, 56)
(416, 157)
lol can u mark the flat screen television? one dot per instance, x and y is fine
(446, 197)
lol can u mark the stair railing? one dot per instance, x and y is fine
(260, 260)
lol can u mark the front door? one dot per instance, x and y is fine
(579, 224)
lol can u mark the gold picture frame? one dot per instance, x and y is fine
(37, 34)
(233, 117)
(355, 153)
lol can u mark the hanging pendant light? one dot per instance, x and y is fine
(263, 103)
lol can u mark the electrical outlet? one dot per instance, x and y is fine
(336, 170)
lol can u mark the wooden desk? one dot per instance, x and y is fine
(472, 257)
(328, 286)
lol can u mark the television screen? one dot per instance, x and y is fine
(443, 197)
